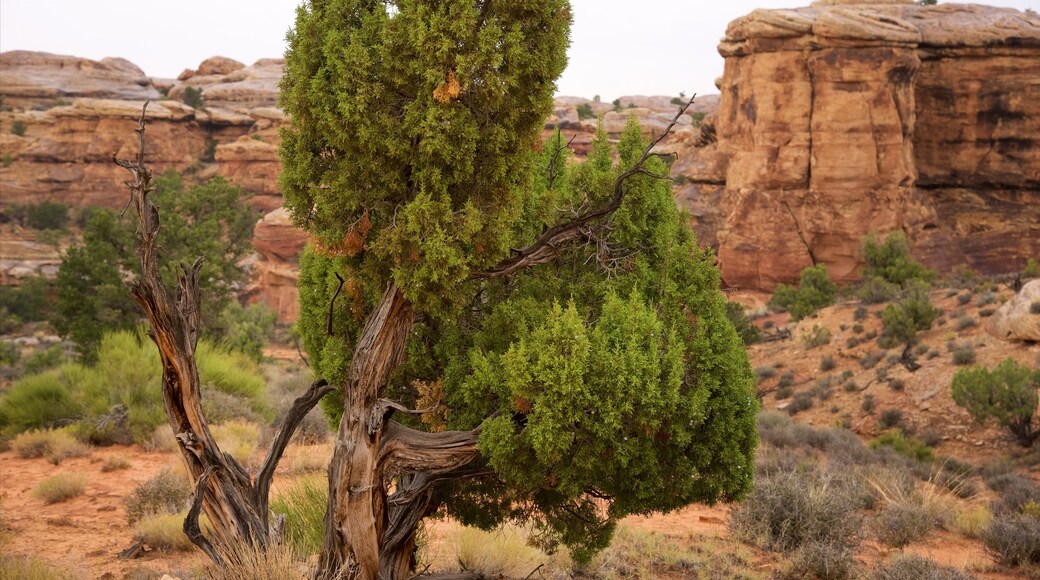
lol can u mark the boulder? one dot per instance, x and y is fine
(1018, 318)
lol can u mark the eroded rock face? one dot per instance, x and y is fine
(41, 79)
(847, 118)
(1018, 318)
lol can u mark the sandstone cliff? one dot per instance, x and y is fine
(846, 118)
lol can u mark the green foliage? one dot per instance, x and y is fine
(193, 97)
(891, 262)
(913, 314)
(1032, 269)
(127, 373)
(904, 444)
(47, 215)
(209, 219)
(304, 504)
(7, 160)
(247, 329)
(28, 301)
(749, 333)
(585, 111)
(413, 157)
(18, 127)
(876, 290)
(816, 336)
(815, 290)
(1007, 394)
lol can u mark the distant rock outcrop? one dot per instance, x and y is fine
(1018, 318)
(846, 118)
(75, 113)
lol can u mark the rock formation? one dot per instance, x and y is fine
(1018, 318)
(846, 118)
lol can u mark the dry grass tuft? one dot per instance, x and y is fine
(56, 445)
(61, 487)
(503, 552)
(164, 532)
(28, 568)
(245, 562)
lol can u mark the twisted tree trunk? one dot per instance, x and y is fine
(235, 504)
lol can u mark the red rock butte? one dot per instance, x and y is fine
(847, 118)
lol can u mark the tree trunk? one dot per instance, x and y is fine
(235, 505)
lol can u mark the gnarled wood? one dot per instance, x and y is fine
(237, 510)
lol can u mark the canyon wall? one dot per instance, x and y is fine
(849, 118)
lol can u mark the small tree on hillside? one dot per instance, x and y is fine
(815, 290)
(558, 326)
(891, 262)
(1007, 393)
(902, 321)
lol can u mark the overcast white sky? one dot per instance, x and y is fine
(617, 48)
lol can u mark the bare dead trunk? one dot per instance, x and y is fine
(235, 505)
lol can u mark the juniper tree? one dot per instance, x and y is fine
(510, 337)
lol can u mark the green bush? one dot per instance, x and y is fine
(585, 112)
(914, 313)
(28, 301)
(891, 262)
(827, 364)
(817, 336)
(193, 97)
(815, 290)
(875, 290)
(18, 127)
(127, 374)
(1007, 394)
(247, 329)
(37, 402)
(905, 445)
(47, 215)
(748, 332)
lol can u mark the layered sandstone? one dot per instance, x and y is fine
(76, 113)
(846, 118)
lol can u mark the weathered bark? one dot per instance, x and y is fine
(235, 505)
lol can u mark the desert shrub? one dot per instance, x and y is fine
(986, 298)
(783, 393)
(166, 493)
(114, 464)
(823, 388)
(815, 290)
(890, 261)
(890, 418)
(1013, 490)
(764, 373)
(14, 567)
(501, 553)
(870, 359)
(815, 337)
(303, 504)
(972, 520)
(875, 290)
(43, 360)
(163, 532)
(238, 438)
(247, 329)
(28, 302)
(1032, 269)
(1006, 394)
(800, 402)
(193, 97)
(786, 379)
(18, 127)
(965, 322)
(245, 561)
(60, 487)
(35, 402)
(792, 509)
(896, 384)
(54, 444)
(903, 444)
(827, 364)
(962, 354)
(913, 314)
(914, 567)
(859, 314)
(868, 403)
(1013, 539)
(749, 333)
(47, 215)
(964, 298)
(899, 525)
(823, 560)
(585, 111)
